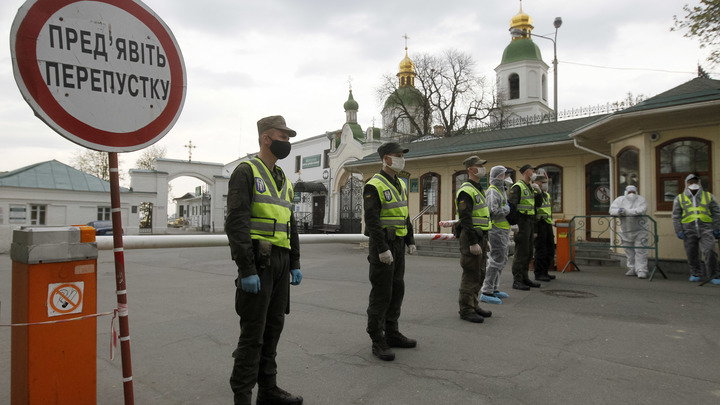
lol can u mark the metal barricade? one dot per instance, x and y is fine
(601, 231)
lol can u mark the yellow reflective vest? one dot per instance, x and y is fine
(526, 205)
(504, 224)
(480, 211)
(394, 206)
(690, 212)
(544, 212)
(271, 209)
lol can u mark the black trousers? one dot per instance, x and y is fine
(262, 317)
(544, 248)
(523, 248)
(387, 289)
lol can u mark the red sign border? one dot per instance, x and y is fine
(25, 58)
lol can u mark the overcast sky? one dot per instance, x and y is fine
(248, 59)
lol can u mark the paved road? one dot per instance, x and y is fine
(629, 342)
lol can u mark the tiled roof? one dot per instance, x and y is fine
(695, 91)
(54, 175)
(487, 140)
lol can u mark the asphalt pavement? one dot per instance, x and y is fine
(588, 337)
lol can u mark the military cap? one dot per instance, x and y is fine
(472, 161)
(389, 148)
(273, 121)
(526, 167)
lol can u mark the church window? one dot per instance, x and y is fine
(544, 87)
(628, 169)
(430, 197)
(675, 160)
(514, 83)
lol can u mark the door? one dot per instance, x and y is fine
(318, 211)
(597, 199)
(351, 206)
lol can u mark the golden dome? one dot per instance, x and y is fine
(407, 65)
(521, 21)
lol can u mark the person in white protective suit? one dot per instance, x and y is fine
(634, 229)
(696, 219)
(498, 236)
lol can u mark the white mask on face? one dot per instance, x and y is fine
(533, 177)
(544, 187)
(631, 197)
(694, 186)
(508, 180)
(397, 164)
(481, 171)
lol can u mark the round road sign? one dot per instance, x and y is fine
(105, 74)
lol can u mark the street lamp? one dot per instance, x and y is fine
(516, 33)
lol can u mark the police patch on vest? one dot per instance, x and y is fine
(477, 199)
(259, 185)
(388, 195)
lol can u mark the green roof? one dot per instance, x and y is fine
(357, 131)
(351, 104)
(54, 175)
(486, 140)
(521, 49)
(697, 90)
(408, 96)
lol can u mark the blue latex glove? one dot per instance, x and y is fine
(251, 284)
(296, 276)
(681, 235)
(716, 233)
(620, 210)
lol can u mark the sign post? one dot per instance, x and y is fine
(109, 76)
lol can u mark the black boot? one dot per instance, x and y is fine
(472, 317)
(397, 339)
(483, 313)
(277, 396)
(382, 350)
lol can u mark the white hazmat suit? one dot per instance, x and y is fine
(634, 229)
(498, 236)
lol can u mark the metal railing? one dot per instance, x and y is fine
(600, 232)
(420, 214)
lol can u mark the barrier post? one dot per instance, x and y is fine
(563, 245)
(54, 277)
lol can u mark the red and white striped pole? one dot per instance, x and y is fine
(120, 279)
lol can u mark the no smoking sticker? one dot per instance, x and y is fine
(65, 298)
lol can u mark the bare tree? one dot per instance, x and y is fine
(146, 160)
(629, 101)
(454, 95)
(94, 162)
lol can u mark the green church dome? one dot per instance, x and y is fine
(407, 95)
(521, 49)
(350, 104)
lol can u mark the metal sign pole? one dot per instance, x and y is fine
(120, 279)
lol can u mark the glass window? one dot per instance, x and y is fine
(430, 191)
(37, 215)
(297, 163)
(326, 159)
(514, 83)
(554, 173)
(676, 159)
(103, 213)
(628, 169)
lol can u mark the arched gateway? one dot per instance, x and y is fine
(155, 184)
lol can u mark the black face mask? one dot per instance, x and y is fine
(280, 149)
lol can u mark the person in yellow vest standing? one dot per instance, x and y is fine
(522, 205)
(498, 236)
(696, 219)
(544, 242)
(387, 223)
(474, 222)
(264, 244)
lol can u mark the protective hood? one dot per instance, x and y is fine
(497, 176)
(687, 186)
(630, 188)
